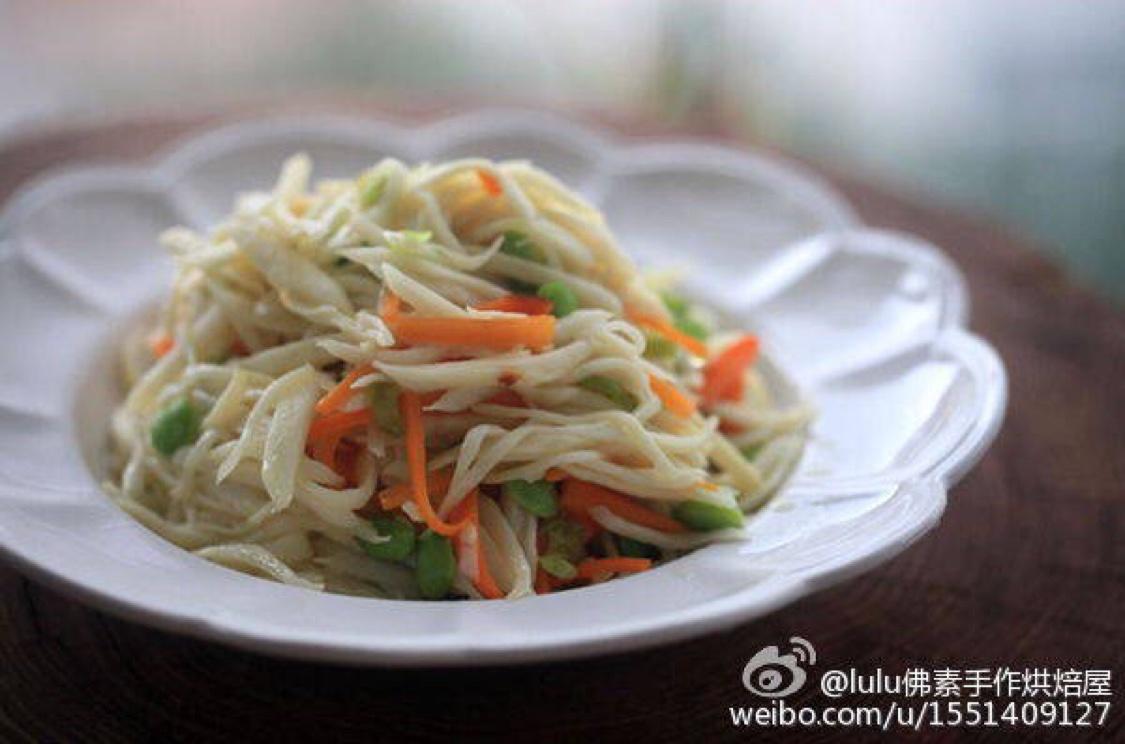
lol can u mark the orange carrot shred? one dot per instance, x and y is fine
(469, 512)
(579, 497)
(342, 393)
(324, 450)
(533, 331)
(161, 345)
(726, 426)
(554, 475)
(338, 423)
(410, 404)
(672, 333)
(490, 183)
(326, 432)
(724, 376)
(437, 483)
(513, 303)
(671, 396)
(507, 397)
(592, 567)
(542, 582)
(390, 307)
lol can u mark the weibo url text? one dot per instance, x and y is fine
(933, 714)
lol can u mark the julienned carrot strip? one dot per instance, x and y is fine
(724, 376)
(671, 396)
(469, 511)
(490, 183)
(554, 475)
(326, 432)
(410, 405)
(542, 582)
(592, 567)
(346, 461)
(161, 345)
(324, 450)
(507, 397)
(671, 332)
(337, 424)
(437, 483)
(342, 393)
(533, 331)
(513, 303)
(579, 497)
(726, 426)
(390, 307)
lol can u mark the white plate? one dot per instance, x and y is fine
(870, 324)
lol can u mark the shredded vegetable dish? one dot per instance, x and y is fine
(437, 382)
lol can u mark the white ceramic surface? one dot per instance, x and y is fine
(869, 324)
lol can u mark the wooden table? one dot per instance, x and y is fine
(1027, 567)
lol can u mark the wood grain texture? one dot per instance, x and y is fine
(1027, 567)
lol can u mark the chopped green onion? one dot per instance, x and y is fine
(384, 405)
(537, 497)
(175, 426)
(558, 566)
(400, 543)
(564, 538)
(371, 188)
(705, 516)
(436, 566)
(681, 316)
(611, 389)
(418, 236)
(693, 328)
(519, 245)
(751, 451)
(563, 300)
(676, 305)
(631, 548)
(659, 347)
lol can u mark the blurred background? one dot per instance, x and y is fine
(1010, 108)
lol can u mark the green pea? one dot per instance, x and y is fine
(371, 187)
(705, 516)
(658, 347)
(563, 300)
(611, 389)
(175, 426)
(398, 547)
(537, 497)
(384, 406)
(631, 548)
(558, 566)
(520, 246)
(436, 566)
